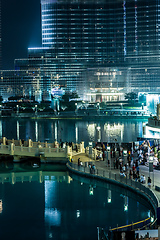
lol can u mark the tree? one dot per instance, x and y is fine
(66, 103)
(132, 96)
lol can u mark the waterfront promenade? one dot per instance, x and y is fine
(103, 166)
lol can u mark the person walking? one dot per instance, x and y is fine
(93, 168)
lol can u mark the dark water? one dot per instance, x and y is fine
(71, 130)
(56, 205)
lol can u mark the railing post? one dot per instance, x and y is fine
(103, 173)
(49, 149)
(82, 149)
(29, 142)
(21, 148)
(4, 140)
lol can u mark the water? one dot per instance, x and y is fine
(53, 204)
(71, 130)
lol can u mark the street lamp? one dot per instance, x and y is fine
(98, 109)
(75, 108)
(122, 108)
(17, 109)
(125, 156)
(109, 155)
(35, 109)
(151, 167)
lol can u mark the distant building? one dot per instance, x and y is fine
(99, 48)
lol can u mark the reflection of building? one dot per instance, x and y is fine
(99, 48)
(1, 208)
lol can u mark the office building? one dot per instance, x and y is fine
(99, 48)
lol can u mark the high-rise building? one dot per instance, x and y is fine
(99, 48)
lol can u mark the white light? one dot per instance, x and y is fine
(125, 208)
(78, 213)
(91, 191)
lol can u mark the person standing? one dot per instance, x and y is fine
(137, 170)
(79, 162)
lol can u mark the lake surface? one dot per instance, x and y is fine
(72, 130)
(57, 205)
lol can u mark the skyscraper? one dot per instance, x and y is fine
(98, 48)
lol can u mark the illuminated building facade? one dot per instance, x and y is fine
(99, 48)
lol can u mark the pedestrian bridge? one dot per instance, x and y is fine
(47, 152)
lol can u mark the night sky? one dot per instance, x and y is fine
(21, 28)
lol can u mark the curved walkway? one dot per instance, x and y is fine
(104, 172)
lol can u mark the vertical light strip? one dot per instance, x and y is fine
(56, 131)
(36, 130)
(1, 129)
(17, 130)
(136, 37)
(76, 128)
(124, 21)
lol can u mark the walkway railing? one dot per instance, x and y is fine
(116, 177)
(133, 226)
(18, 147)
(123, 180)
(103, 235)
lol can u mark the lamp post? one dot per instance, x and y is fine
(122, 108)
(151, 167)
(109, 155)
(90, 149)
(75, 108)
(36, 110)
(125, 156)
(17, 109)
(98, 109)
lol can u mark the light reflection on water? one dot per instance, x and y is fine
(62, 206)
(72, 130)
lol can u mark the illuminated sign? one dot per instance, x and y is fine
(57, 92)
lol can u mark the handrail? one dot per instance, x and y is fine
(131, 183)
(102, 234)
(115, 177)
(147, 220)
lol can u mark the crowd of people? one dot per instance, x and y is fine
(127, 167)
